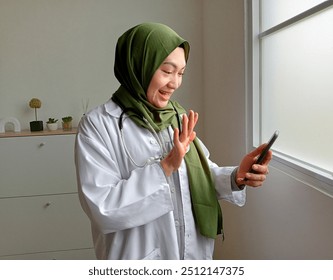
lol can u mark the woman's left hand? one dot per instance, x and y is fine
(245, 177)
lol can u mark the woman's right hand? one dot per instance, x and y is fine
(181, 143)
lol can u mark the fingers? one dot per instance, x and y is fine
(176, 136)
(252, 182)
(268, 158)
(260, 168)
(256, 153)
(257, 174)
(184, 132)
(252, 179)
(193, 119)
(192, 136)
(188, 124)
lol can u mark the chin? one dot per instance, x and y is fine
(162, 105)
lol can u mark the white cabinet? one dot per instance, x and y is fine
(40, 214)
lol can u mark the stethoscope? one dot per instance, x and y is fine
(150, 160)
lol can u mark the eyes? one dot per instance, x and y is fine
(171, 72)
(170, 68)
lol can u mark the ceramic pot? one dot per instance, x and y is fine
(52, 126)
(67, 125)
(36, 126)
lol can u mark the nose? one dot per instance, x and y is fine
(175, 81)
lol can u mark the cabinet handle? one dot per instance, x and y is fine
(42, 144)
(47, 204)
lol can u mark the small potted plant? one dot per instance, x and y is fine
(67, 123)
(52, 124)
(36, 125)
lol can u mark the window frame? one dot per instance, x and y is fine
(302, 172)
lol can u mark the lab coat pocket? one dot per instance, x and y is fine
(153, 255)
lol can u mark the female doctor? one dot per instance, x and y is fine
(145, 180)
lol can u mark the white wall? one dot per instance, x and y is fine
(284, 219)
(62, 52)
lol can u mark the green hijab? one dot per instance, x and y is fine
(139, 53)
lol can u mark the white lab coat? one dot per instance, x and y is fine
(130, 208)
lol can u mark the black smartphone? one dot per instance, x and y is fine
(265, 151)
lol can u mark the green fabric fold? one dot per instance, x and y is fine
(139, 53)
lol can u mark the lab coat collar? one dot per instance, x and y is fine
(112, 108)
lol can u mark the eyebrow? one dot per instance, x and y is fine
(173, 64)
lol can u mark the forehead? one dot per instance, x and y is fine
(176, 58)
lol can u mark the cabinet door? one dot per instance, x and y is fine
(37, 165)
(80, 254)
(43, 224)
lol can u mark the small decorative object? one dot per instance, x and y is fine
(36, 125)
(52, 124)
(67, 123)
(9, 120)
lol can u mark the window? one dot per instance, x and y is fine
(291, 80)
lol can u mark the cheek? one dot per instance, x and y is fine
(155, 84)
(180, 81)
(150, 93)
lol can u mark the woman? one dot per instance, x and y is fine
(145, 180)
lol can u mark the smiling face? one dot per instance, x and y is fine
(166, 79)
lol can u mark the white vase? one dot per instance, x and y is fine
(52, 126)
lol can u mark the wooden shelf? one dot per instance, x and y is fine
(28, 133)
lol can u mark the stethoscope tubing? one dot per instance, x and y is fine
(151, 129)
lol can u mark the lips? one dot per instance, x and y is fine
(165, 94)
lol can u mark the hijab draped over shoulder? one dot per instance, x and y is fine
(139, 53)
